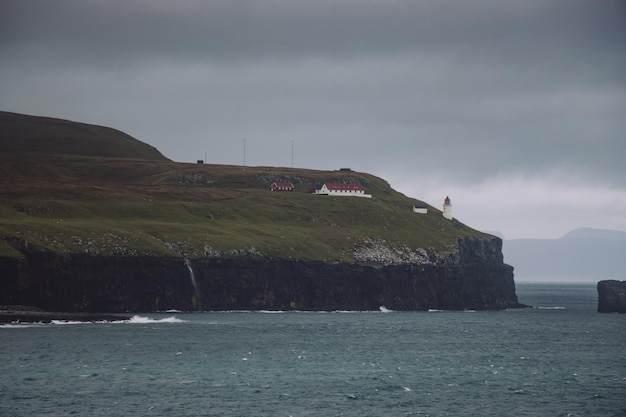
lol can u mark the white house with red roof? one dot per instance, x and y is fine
(342, 190)
(281, 186)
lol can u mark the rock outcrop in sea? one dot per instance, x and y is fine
(612, 296)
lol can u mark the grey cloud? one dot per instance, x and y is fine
(279, 29)
(487, 86)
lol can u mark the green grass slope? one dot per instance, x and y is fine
(129, 200)
(48, 136)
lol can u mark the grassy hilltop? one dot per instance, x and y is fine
(69, 187)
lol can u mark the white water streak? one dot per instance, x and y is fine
(193, 282)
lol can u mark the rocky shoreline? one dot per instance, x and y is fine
(18, 314)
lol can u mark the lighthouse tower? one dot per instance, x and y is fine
(447, 209)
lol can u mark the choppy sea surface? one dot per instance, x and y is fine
(560, 358)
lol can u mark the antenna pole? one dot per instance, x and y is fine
(244, 152)
(291, 153)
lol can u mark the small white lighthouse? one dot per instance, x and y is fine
(447, 208)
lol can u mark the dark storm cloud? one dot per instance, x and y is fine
(108, 31)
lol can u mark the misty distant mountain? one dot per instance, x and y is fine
(581, 255)
(588, 233)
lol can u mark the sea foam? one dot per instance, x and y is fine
(144, 320)
(70, 322)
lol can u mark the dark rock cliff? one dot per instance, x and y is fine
(612, 296)
(477, 279)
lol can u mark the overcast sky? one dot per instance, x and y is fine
(515, 109)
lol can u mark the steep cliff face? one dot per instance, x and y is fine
(322, 286)
(94, 283)
(480, 250)
(477, 279)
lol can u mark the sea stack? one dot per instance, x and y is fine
(612, 296)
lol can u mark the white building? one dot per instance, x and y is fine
(343, 190)
(447, 209)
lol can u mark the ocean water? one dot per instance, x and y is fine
(560, 358)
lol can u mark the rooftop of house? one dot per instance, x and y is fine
(340, 186)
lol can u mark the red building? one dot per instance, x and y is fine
(281, 186)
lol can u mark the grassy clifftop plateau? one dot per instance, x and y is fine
(69, 187)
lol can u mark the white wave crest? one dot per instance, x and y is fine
(384, 309)
(144, 320)
(67, 322)
(17, 325)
